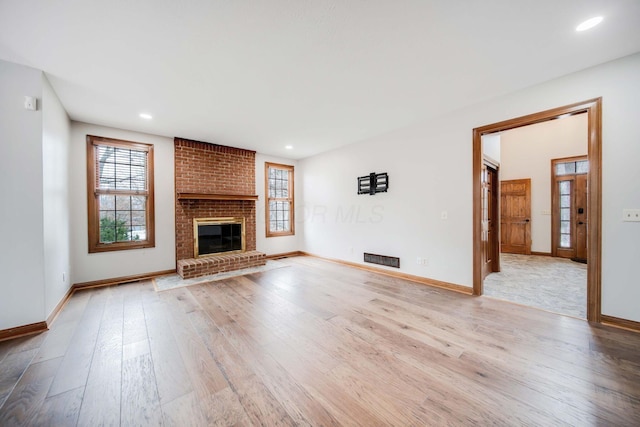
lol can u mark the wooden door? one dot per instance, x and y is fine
(581, 218)
(515, 216)
(569, 208)
(490, 242)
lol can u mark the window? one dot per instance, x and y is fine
(279, 200)
(120, 194)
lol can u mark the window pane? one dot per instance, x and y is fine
(565, 241)
(565, 201)
(139, 158)
(121, 169)
(107, 226)
(565, 227)
(565, 214)
(565, 168)
(138, 218)
(123, 203)
(279, 216)
(272, 187)
(582, 166)
(565, 187)
(122, 218)
(138, 203)
(107, 202)
(138, 233)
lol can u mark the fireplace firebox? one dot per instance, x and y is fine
(216, 236)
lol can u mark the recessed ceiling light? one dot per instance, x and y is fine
(589, 23)
(289, 147)
(146, 116)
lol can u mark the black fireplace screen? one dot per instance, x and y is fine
(216, 238)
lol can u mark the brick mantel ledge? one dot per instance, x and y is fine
(196, 267)
(208, 196)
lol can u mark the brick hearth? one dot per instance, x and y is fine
(209, 169)
(195, 267)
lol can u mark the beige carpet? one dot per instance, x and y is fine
(553, 284)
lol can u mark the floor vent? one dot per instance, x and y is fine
(389, 261)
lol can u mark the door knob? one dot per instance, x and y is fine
(526, 220)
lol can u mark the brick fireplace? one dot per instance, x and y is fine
(214, 181)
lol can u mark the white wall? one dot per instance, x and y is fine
(491, 146)
(22, 299)
(88, 267)
(430, 169)
(279, 244)
(527, 152)
(55, 169)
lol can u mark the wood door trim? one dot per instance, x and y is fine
(593, 108)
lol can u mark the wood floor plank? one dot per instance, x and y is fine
(140, 400)
(23, 405)
(171, 374)
(184, 411)
(74, 369)
(295, 399)
(134, 329)
(342, 405)
(101, 399)
(21, 344)
(60, 410)
(205, 376)
(230, 363)
(57, 341)
(12, 369)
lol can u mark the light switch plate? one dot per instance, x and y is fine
(631, 215)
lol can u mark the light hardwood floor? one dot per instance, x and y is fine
(316, 343)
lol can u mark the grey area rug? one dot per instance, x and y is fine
(172, 281)
(554, 284)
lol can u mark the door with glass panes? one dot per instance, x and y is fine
(569, 207)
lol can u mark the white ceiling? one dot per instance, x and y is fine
(315, 74)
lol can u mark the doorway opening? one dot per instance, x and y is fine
(592, 233)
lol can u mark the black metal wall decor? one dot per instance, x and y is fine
(373, 183)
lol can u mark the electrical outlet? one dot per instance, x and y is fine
(444, 215)
(419, 261)
(64, 277)
(425, 261)
(30, 103)
(631, 215)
